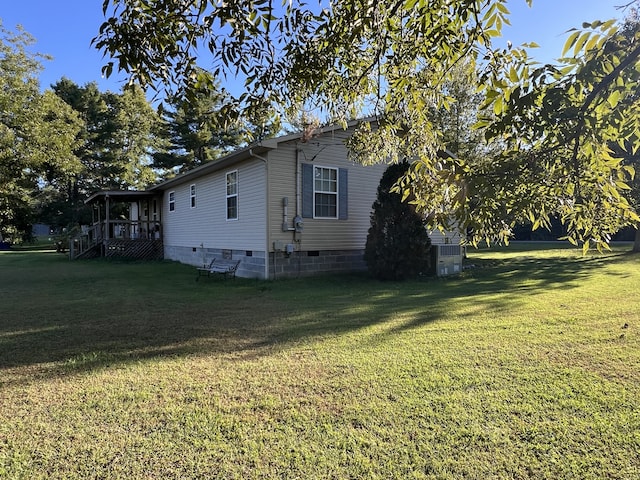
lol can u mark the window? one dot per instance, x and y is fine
(325, 192)
(232, 195)
(172, 201)
(193, 196)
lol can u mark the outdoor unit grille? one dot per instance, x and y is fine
(450, 250)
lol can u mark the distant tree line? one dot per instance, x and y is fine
(556, 141)
(59, 146)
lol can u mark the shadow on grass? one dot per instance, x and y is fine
(59, 317)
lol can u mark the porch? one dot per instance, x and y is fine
(126, 224)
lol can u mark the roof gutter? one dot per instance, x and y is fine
(212, 166)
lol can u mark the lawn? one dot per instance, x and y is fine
(525, 366)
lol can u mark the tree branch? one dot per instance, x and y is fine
(599, 88)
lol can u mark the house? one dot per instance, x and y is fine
(40, 230)
(285, 207)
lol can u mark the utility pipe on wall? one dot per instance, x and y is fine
(298, 180)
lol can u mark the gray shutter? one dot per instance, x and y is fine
(343, 186)
(307, 190)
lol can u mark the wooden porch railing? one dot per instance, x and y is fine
(135, 239)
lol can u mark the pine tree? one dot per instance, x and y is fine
(398, 245)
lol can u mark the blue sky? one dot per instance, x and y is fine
(64, 29)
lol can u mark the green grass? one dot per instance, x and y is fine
(526, 366)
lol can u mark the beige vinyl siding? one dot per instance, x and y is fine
(445, 238)
(322, 234)
(207, 223)
(282, 183)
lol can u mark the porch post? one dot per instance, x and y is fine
(107, 217)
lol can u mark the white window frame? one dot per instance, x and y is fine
(192, 195)
(172, 201)
(228, 195)
(326, 192)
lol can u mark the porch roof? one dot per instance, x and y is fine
(120, 195)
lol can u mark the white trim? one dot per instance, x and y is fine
(327, 192)
(228, 196)
(171, 200)
(192, 195)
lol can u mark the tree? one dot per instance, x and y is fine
(199, 129)
(398, 245)
(391, 58)
(196, 131)
(627, 150)
(455, 122)
(37, 135)
(569, 130)
(119, 139)
(89, 104)
(132, 136)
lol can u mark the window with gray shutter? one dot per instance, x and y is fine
(324, 192)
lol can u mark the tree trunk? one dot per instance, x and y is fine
(636, 242)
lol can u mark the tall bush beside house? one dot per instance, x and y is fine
(398, 245)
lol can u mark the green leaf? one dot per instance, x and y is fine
(580, 42)
(570, 42)
(513, 75)
(498, 106)
(503, 8)
(614, 98)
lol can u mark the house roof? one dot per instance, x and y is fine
(214, 165)
(255, 150)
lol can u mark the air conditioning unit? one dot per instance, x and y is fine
(448, 259)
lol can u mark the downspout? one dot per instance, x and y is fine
(297, 238)
(264, 160)
(298, 180)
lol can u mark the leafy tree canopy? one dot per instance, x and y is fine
(37, 135)
(392, 58)
(119, 136)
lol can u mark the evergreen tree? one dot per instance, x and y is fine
(196, 131)
(398, 245)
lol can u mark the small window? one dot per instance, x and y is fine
(325, 192)
(232, 195)
(172, 201)
(193, 196)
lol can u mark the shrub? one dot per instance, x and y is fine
(398, 245)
